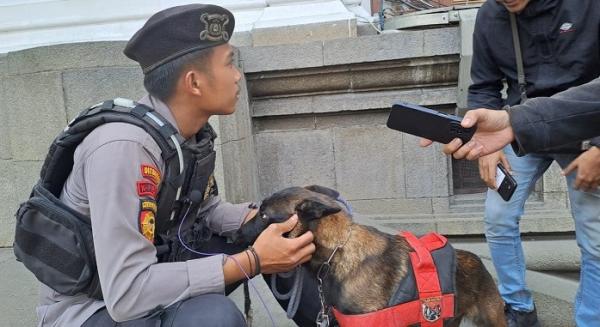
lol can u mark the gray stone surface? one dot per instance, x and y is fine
(19, 297)
(3, 64)
(351, 101)
(240, 170)
(441, 41)
(364, 155)
(5, 148)
(269, 58)
(36, 113)
(241, 39)
(392, 207)
(427, 169)
(366, 118)
(68, 56)
(8, 199)
(87, 87)
(219, 171)
(294, 158)
(284, 123)
(16, 181)
(404, 44)
(18, 289)
(565, 255)
(300, 34)
(553, 180)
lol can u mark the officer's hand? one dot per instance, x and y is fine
(588, 170)
(280, 254)
(487, 167)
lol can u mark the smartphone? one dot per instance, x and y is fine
(505, 183)
(431, 124)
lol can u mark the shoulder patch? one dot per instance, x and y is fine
(151, 173)
(147, 188)
(148, 205)
(147, 224)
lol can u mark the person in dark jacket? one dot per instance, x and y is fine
(560, 46)
(537, 125)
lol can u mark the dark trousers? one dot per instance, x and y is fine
(216, 310)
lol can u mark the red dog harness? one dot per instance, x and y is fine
(429, 310)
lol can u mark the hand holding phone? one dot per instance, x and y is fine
(424, 122)
(505, 183)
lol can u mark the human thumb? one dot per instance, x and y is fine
(470, 118)
(288, 225)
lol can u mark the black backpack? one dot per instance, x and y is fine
(54, 241)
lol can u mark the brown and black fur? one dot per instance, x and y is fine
(366, 270)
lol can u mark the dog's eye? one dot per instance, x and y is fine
(264, 216)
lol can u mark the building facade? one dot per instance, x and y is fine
(319, 81)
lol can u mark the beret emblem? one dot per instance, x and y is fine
(214, 27)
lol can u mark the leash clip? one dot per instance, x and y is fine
(322, 319)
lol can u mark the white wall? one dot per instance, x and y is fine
(30, 23)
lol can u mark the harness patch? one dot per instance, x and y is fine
(431, 308)
(147, 188)
(151, 173)
(147, 224)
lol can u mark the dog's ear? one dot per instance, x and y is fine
(324, 190)
(314, 208)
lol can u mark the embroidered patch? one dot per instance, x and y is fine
(147, 188)
(147, 224)
(214, 27)
(151, 173)
(148, 205)
(210, 187)
(431, 308)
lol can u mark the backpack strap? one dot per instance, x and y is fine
(59, 161)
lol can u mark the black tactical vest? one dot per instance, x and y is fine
(55, 242)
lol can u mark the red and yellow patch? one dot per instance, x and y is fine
(147, 224)
(147, 188)
(151, 173)
(148, 205)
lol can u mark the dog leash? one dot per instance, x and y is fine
(323, 316)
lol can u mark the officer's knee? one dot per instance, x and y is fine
(211, 310)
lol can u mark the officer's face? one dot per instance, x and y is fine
(514, 6)
(222, 89)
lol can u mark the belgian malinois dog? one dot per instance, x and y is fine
(364, 271)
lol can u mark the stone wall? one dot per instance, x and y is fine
(309, 114)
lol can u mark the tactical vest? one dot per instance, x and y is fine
(55, 242)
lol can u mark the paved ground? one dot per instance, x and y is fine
(18, 297)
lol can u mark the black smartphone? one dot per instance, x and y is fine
(505, 183)
(431, 124)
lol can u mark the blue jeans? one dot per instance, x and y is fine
(504, 240)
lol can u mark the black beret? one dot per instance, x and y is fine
(176, 31)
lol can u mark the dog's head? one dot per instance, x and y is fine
(310, 203)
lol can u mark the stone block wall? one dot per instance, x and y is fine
(308, 114)
(41, 89)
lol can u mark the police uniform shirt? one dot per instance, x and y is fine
(109, 165)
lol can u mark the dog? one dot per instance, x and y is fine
(365, 269)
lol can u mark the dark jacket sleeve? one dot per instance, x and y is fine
(543, 123)
(484, 92)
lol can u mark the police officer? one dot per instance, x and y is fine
(118, 171)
